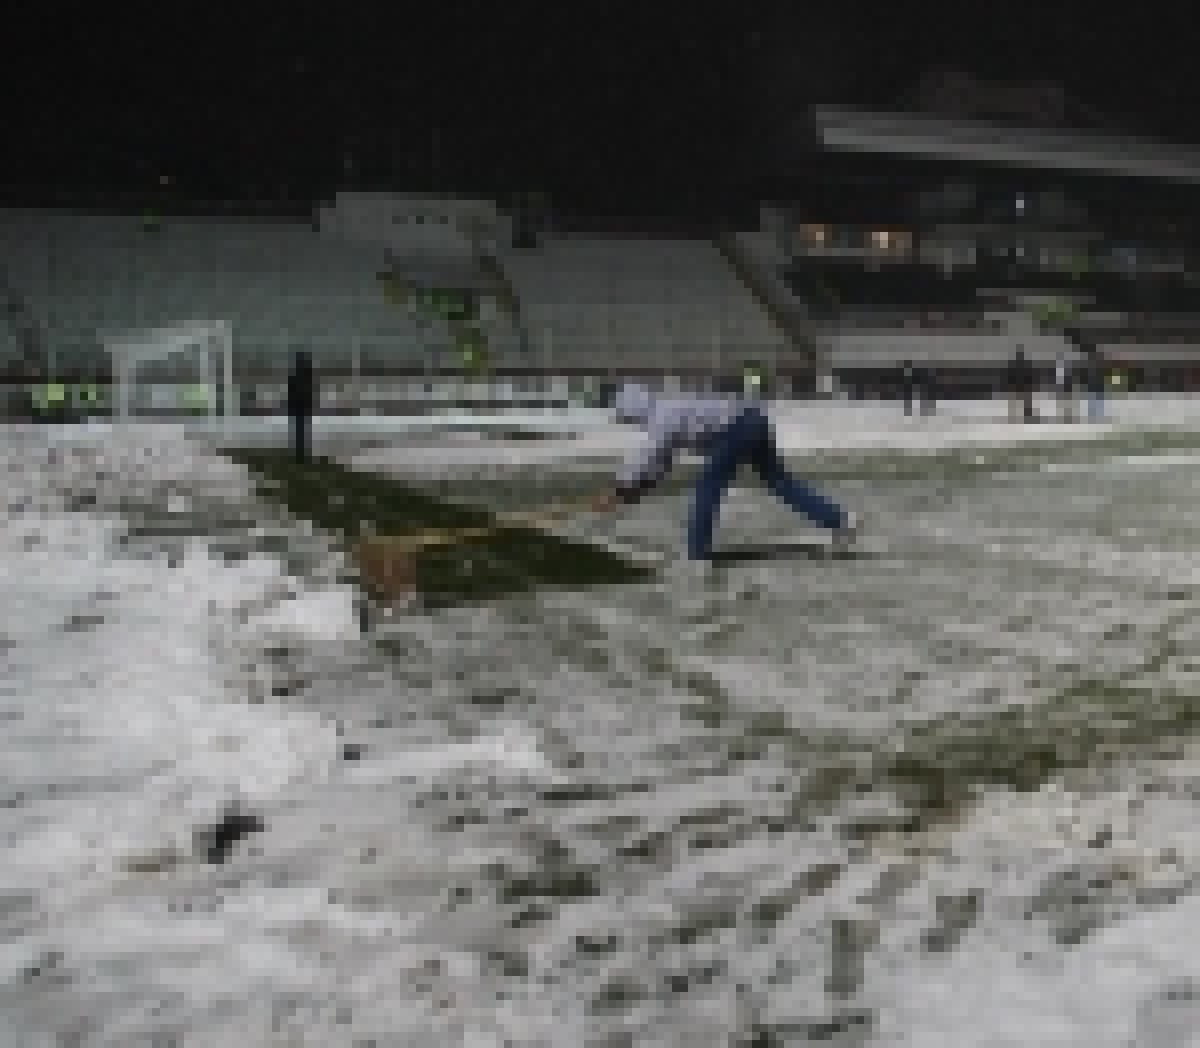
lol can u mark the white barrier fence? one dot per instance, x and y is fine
(887, 349)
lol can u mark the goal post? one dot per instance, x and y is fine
(208, 345)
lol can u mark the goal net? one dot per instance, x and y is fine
(173, 372)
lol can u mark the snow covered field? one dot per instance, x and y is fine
(799, 799)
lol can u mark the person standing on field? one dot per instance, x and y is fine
(301, 402)
(1096, 374)
(1062, 389)
(1021, 381)
(929, 390)
(908, 385)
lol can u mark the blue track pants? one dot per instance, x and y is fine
(749, 439)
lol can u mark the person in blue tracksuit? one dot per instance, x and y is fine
(728, 431)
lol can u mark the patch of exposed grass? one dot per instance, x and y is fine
(1092, 723)
(512, 559)
(935, 769)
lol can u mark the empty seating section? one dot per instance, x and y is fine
(1104, 289)
(850, 284)
(1168, 293)
(762, 251)
(610, 303)
(281, 286)
(10, 349)
(590, 304)
(873, 317)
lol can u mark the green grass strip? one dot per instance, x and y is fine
(514, 559)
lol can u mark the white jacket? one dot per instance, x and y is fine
(671, 424)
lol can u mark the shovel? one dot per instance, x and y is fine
(387, 563)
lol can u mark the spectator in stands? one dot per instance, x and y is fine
(908, 384)
(301, 402)
(1021, 381)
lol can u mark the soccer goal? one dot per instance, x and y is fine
(171, 372)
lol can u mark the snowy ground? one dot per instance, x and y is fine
(637, 816)
(800, 424)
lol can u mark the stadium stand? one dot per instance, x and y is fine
(662, 305)
(849, 284)
(282, 287)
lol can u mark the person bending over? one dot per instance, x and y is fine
(728, 431)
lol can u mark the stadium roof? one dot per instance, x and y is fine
(986, 141)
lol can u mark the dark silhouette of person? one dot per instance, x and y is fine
(1021, 381)
(908, 384)
(929, 390)
(301, 402)
(1095, 371)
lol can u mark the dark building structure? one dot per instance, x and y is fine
(1011, 212)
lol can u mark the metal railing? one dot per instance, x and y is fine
(871, 319)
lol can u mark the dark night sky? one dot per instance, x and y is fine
(601, 99)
